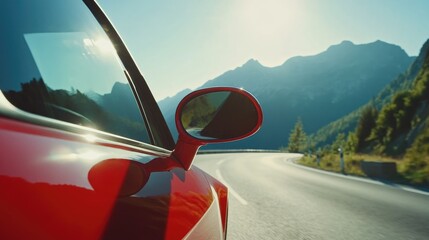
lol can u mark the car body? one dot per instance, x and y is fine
(85, 151)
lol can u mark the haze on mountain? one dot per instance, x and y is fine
(319, 89)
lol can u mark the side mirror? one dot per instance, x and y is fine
(214, 115)
(205, 116)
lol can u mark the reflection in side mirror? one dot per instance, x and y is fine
(214, 115)
(222, 115)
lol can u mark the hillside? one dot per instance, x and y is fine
(398, 127)
(319, 88)
(403, 82)
(404, 119)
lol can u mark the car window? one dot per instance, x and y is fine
(58, 62)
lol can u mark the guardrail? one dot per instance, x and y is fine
(379, 170)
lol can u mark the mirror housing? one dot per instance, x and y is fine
(214, 115)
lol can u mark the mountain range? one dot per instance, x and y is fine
(318, 89)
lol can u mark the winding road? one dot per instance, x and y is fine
(273, 198)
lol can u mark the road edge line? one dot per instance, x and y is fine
(230, 189)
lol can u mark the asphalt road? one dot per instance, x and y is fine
(273, 198)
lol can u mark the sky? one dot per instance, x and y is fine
(182, 44)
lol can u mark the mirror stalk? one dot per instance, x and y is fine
(185, 152)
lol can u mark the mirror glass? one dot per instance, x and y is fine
(219, 115)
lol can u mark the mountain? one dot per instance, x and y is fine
(319, 89)
(396, 123)
(403, 82)
(405, 118)
(114, 101)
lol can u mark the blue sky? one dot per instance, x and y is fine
(182, 44)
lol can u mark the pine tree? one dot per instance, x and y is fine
(351, 143)
(365, 125)
(297, 138)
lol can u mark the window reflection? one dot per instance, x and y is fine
(70, 60)
(65, 67)
(78, 108)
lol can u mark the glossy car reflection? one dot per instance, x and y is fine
(85, 151)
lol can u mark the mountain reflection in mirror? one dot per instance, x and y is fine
(199, 112)
(219, 115)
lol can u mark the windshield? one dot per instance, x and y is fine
(57, 62)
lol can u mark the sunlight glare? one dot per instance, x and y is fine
(67, 155)
(88, 42)
(104, 45)
(267, 26)
(90, 138)
(269, 17)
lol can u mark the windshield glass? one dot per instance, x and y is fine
(58, 62)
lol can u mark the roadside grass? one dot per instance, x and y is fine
(331, 162)
(416, 177)
(415, 168)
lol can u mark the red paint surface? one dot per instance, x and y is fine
(45, 192)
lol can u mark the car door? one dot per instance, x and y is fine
(77, 135)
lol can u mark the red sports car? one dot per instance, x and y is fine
(85, 152)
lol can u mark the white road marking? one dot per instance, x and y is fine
(220, 162)
(410, 189)
(230, 189)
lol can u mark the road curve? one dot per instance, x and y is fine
(273, 198)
